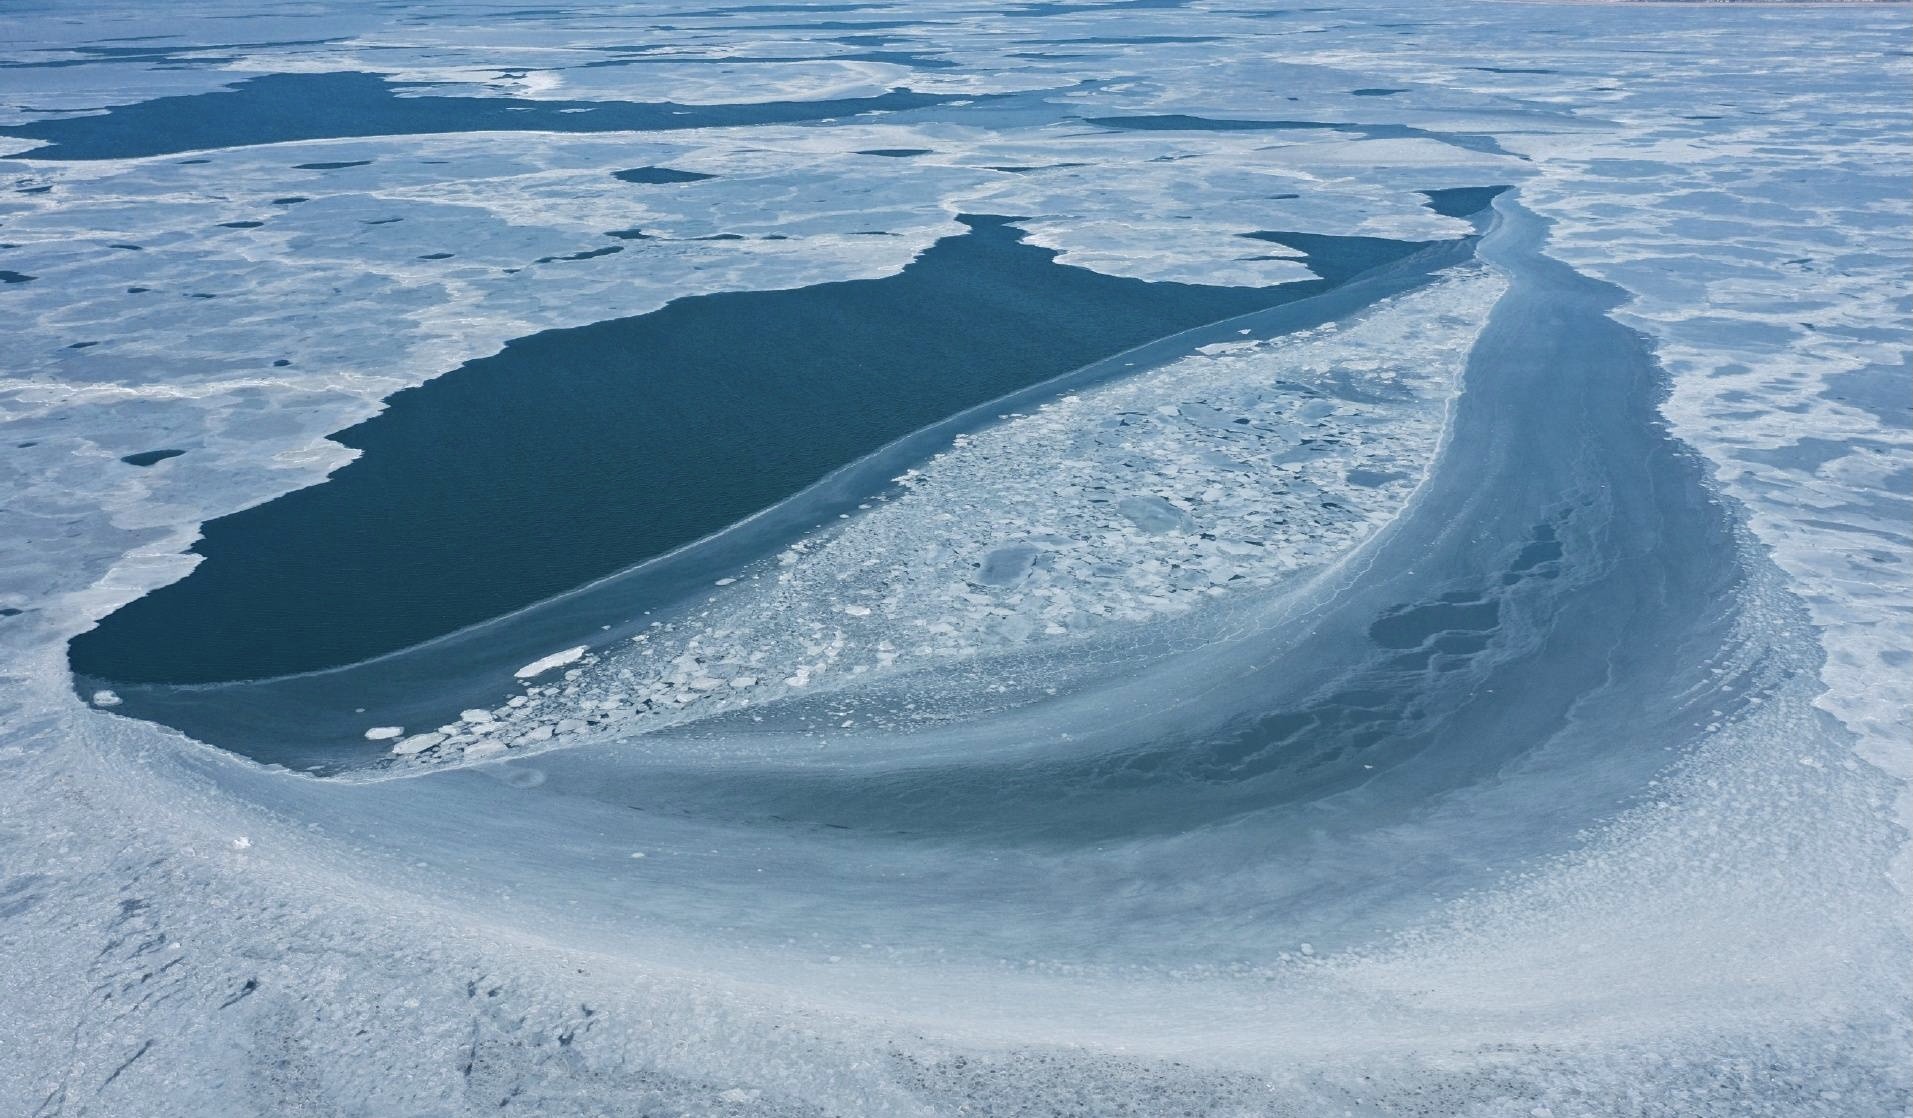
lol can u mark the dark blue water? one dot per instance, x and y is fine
(316, 720)
(150, 457)
(575, 453)
(1338, 259)
(659, 175)
(1462, 201)
(279, 108)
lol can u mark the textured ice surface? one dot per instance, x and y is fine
(187, 933)
(1159, 496)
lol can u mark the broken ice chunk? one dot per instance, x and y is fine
(1154, 515)
(417, 743)
(555, 660)
(1007, 565)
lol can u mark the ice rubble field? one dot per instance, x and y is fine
(186, 933)
(1154, 497)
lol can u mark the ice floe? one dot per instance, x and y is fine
(556, 660)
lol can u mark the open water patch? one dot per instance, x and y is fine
(659, 175)
(1462, 201)
(575, 453)
(282, 108)
(1338, 259)
(150, 457)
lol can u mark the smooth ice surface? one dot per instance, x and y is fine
(1509, 718)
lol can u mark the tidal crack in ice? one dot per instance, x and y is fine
(1170, 495)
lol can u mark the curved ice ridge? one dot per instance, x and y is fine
(1167, 495)
(206, 935)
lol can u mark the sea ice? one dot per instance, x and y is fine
(544, 664)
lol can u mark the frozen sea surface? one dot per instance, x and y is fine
(1474, 687)
(611, 443)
